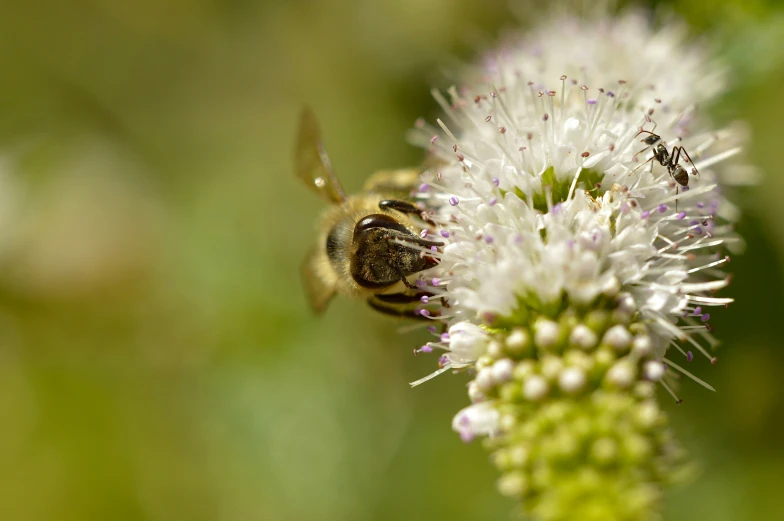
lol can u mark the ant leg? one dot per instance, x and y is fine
(674, 158)
(670, 168)
(694, 168)
(647, 120)
(402, 298)
(641, 131)
(676, 196)
(642, 150)
(642, 165)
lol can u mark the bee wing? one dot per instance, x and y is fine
(319, 292)
(311, 162)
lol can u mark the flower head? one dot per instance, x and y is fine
(579, 195)
(552, 194)
(598, 50)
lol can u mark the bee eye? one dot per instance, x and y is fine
(378, 220)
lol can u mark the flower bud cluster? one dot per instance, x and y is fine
(568, 405)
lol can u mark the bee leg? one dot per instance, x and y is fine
(398, 311)
(404, 207)
(423, 242)
(405, 280)
(400, 206)
(413, 239)
(402, 298)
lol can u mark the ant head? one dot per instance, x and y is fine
(650, 138)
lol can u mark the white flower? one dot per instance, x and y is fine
(480, 419)
(466, 342)
(598, 51)
(571, 380)
(547, 195)
(579, 195)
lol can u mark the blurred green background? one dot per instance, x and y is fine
(157, 358)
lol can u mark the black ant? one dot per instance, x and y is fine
(668, 159)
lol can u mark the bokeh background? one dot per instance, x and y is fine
(157, 357)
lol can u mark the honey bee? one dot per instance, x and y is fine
(368, 244)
